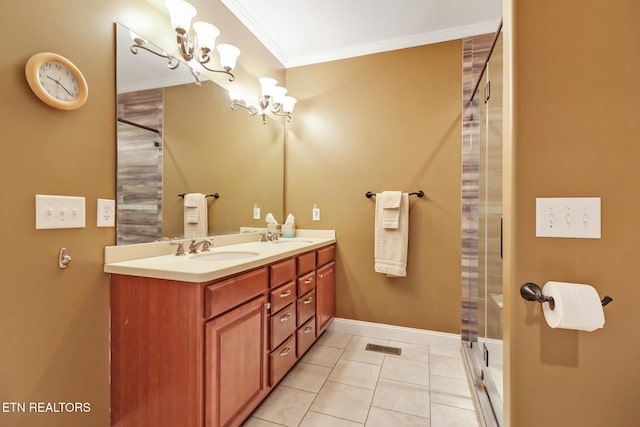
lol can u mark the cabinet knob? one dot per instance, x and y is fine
(321, 275)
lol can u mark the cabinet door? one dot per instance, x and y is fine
(325, 296)
(236, 363)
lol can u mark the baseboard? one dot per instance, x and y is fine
(396, 333)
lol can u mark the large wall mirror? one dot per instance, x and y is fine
(177, 137)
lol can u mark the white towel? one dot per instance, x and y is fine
(195, 215)
(390, 250)
(391, 209)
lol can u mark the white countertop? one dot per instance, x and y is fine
(197, 268)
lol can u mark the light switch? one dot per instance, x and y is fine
(59, 212)
(573, 217)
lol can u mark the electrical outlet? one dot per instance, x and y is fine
(106, 216)
(315, 213)
(59, 212)
(256, 212)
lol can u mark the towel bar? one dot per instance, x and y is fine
(418, 193)
(215, 195)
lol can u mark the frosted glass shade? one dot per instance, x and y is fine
(278, 94)
(206, 35)
(228, 55)
(181, 14)
(267, 84)
(288, 102)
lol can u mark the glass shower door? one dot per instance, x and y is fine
(482, 239)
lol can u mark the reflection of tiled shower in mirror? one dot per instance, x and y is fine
(139, 171)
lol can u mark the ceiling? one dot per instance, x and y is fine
(302, 32)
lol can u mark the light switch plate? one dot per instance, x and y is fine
(573, 217)
(59, 212)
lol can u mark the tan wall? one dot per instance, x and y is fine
(576, 132)
(383, 122)
(54, 324)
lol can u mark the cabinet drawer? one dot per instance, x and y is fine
(283, 324)
(282, 359)
(283, 272)
(306, 335)
(282, 296)
(225, 295)
(306, 307)
(306, 263)
(326, 255)
(306, 283)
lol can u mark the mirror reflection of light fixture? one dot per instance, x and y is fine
(172, 61)
(204, 42)
(273, 99)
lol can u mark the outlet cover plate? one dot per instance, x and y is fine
(106, 213)
(59, 212)
(572, 217)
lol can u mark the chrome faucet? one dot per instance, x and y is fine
(270, 236)
(205, 243)
(180, 250)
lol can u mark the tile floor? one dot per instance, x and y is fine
(340, 384)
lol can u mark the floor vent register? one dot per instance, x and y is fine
(383, 349)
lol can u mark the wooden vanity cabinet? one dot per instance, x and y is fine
(325, 288)
(206, 354)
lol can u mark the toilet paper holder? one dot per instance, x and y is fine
(531, 292)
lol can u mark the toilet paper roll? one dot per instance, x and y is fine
(576, 306)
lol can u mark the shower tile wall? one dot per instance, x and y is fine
(475, 51)
(139, 172)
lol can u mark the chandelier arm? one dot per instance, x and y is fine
(172, 61)
(186, 48)
(252, 110)
(225, 71)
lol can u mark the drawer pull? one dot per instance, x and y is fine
(286, 351)
(285, 317)
(308, 300)
(308, 329)
(285, 294)
(309, 280)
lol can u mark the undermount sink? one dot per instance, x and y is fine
(285, 240)
(224, 256)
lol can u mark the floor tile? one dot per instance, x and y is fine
(405, 370)
(285, 406)
(417, 353)
(323, 355)
(412, 399)
(449, 416)
(315, 419)
(255, 422)
(358, 374)
(451, 367)
(305, 376)
(334, 339)
(355, 350)
(379, 417)
(343, 401)
(451, 391)
(448, 352)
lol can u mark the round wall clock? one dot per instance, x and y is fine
(56, 81)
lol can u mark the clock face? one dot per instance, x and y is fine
(58, 81)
